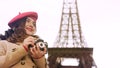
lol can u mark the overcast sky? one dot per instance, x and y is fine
(100, 22)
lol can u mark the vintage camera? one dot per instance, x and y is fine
(41, 44)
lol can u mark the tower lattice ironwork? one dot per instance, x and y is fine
(70, 33)
(70, 42)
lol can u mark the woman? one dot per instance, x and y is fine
(14, 45)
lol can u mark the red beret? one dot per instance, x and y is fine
(33, 15)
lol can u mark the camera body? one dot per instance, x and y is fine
(41, 44)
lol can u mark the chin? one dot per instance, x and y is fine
(29, 33)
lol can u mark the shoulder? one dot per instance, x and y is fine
(7, 46)
(5, 43)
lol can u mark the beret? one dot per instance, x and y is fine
(32, 14)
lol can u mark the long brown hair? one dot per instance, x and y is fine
(17, 33)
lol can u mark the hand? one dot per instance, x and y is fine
(28, 41)
(36, 53)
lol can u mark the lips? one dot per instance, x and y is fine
(29, 29)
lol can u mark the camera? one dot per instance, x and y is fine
(41, 44)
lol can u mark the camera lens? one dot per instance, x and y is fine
(41, 45)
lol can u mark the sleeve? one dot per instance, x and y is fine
(11, 54)
(41, 63)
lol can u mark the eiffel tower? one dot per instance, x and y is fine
(70, 42)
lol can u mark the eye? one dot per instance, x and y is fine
(27, 20)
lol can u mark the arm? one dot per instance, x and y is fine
(8, 57)
(41, 62)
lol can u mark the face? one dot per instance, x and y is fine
(30, 26)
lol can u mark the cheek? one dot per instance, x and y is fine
(34, 31)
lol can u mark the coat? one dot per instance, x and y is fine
(15, 56)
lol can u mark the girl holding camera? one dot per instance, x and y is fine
(14, 51)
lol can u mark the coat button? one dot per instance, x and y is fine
(14, 49)
(33, 66)
(22, 63)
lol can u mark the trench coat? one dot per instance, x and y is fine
(15, 56)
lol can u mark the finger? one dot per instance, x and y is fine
(36, 53)
(37, 47)
(31, 51)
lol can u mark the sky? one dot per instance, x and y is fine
(100, 22)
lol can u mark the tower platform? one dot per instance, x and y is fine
(83, 54)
